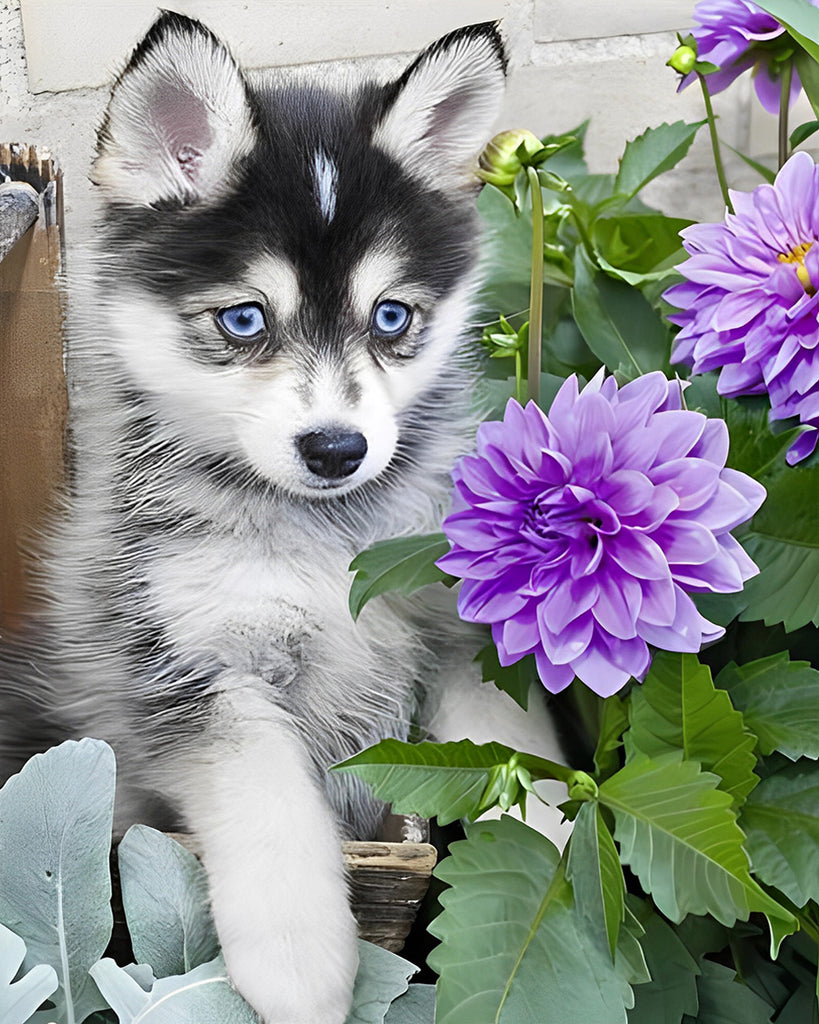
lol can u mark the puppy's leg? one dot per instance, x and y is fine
(272, 852)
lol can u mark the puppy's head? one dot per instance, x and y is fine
(287, 269)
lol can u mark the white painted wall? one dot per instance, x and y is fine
(570, 60)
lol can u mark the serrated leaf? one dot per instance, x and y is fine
(655, 151)
(416, 1006)
(779, 700)
(679, 708)
(616, 321)
(679, 835)
(203, 994)
(404, 564)
(724, 1000)
(382, 977)
(55, 883)
(19, 999)
(781, 822)
(165, 897)
(593, 868)
(443, 780)
(513, 944)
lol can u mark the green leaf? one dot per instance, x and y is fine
(724, 1000)
(803, 132)
(404, 564)
(594, 870)
(672, 990)
(801, 1008)
(203, 994)
(637, 245)
(781, 822)
(516, 680)
(443, 780)
(382, 977)
(679, 708)
(165, 897)
(766, 173)
(19, 999)
(801, 20)
(513, 943)
(808, 71)
(679, 835)
(619, 325)
(55, 882)
(779, 700)
(655, 151)
(782, 538)
(610, 741)
(416, 1006)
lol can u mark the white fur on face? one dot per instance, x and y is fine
(325, 184)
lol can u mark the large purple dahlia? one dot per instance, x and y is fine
(737, 35)
(579, 535)
(750, 305)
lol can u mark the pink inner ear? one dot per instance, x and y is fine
(181, 120)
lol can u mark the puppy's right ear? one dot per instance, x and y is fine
(178, 119)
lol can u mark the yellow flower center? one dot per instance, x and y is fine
(797, 257)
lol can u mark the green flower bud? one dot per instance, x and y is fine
(506, 154)
(582, 787)
(683, 59)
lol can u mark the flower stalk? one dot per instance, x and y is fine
(712, 129)
(784, 104)
(536, 289)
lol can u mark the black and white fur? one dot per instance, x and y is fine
(196, 587)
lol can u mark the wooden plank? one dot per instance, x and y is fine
(33, 399)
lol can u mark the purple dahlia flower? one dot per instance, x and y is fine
(750, 305)
(737, 35)
(580, 535)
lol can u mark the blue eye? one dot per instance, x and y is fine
(390, 319)
(242, 324)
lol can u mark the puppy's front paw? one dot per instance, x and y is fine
(294, 976)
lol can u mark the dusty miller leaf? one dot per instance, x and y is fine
(19, 999)
(382, 977)
(165, 897)
(55, 883)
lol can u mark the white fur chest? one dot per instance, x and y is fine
(281, 616)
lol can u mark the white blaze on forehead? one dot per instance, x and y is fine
(276, 277)
(375, 275)
(325, 184)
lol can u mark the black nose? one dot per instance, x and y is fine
(332, 454)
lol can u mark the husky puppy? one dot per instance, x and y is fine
(267, 338)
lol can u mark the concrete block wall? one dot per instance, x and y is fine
(570, 60)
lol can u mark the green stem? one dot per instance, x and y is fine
(535, 289)
(712, 128)
(518, 376)
(784, 104)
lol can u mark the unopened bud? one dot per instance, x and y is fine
(506, 154)
(683, 59)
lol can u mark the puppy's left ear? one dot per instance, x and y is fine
(441, 111)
